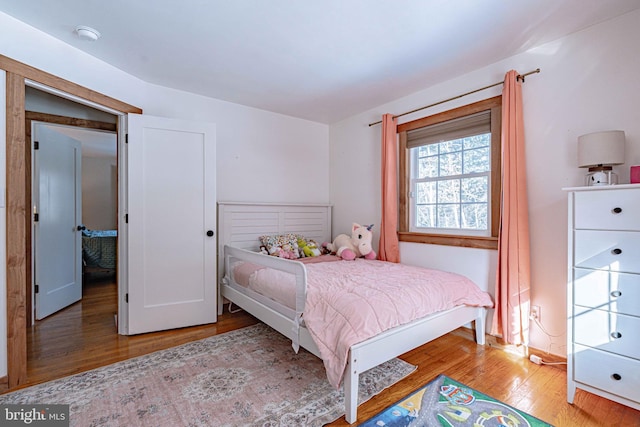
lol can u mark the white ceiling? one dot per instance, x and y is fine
(322, 60)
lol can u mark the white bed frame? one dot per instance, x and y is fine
(240, 224)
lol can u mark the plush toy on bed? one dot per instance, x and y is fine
(308, 248)
(356, 246)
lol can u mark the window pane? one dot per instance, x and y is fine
(474, 189)
(426, 192)
(450, 146)
(449, 191)
(428, 150)
(428, 167)
(477, 160)
(477, 141)
(474, 216)
(426, 216)
(451, 164)
(449, 216)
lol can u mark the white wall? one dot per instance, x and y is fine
(99, 192)
(588, 83)
(261, 156)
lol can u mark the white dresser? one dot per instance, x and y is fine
(603, 296)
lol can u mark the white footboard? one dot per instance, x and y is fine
(401, 339)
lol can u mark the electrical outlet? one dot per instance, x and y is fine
(535, 312)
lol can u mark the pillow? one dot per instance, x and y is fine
(282, 245)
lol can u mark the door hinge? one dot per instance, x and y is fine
(126, 138)
(36, 217)
(126, 298)
(36, 145)
(37, 289)
(126, 218)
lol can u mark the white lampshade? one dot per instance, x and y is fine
(601, 148)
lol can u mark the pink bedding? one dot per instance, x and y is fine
(351, 301)
(277, 285)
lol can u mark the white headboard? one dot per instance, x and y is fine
(240, 224)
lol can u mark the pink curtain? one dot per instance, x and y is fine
(513, 274)
(388, 248)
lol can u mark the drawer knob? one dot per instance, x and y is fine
(616, 210)
(616, 377)
(616, 251)
(616, 294)
(616, 335)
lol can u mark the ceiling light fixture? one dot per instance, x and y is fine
(87, 33)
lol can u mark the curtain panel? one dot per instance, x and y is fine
(388, 248)
(512, 296)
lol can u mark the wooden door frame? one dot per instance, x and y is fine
(18, 210)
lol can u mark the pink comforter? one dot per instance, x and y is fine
(351, 301)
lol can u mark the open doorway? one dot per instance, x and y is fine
(192, 143)
(18, 198)
(95, 133)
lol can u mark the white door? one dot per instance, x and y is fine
(171, 209)
(57, 199)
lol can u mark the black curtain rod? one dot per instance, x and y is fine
(520, 76)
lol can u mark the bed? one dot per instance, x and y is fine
(241, 225)
(99, 250)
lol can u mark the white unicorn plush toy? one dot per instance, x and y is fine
(356, 246)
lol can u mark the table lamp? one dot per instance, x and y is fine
(598, 151)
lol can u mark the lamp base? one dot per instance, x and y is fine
(601, 175)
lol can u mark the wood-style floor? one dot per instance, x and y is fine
(83, 337)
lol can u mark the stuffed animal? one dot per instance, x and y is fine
(311, 249)
(356, 246)
(288, 251)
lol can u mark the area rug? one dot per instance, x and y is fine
(248, 377)
(445, 402)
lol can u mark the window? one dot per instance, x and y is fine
(450, 176)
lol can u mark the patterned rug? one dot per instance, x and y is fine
(447, 403)
(248, 377)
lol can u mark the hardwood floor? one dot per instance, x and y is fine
(84, 337)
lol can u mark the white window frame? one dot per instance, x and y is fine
(413, 227)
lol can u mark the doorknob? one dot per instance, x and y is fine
(81, 227)
(210, 233)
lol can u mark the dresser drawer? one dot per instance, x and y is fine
(607, 210)
(612, 332)
(617, 292)
(608, 250)
(608, 372)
